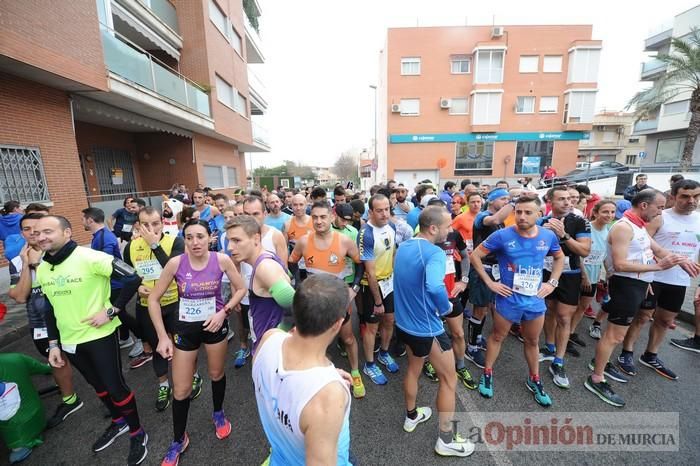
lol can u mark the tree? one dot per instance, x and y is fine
(346, 167)
(682, 76)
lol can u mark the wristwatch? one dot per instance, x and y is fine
(553, 282)
(111, 313)
(566, 237)
(465, 279)
(356, 288)
(154, 246)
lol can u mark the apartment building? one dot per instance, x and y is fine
(484, 102)
(666, 129)
(612, 139)
(103, 98)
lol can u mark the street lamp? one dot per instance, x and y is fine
(375, 163)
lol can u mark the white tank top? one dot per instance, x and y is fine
(679, 234)
(247, 269)
(638, 251)
(281, 397)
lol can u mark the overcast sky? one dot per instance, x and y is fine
(321, 57)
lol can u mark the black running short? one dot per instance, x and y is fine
(589, 294)
(190, 336)
(368, 305)
(667, 297)
(626, 297)
(457, 308)
(569, 289)
(420, 346)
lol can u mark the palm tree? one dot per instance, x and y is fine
(682, 76)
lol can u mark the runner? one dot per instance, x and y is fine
(297, 227)
(480, 295)
(303, 401)
(25, 289)
(421, 299)
(464, 222)
(269, 288)
(272, 239)
(123, 219)
(403, 205)
(574, 235)
(148, 254)
(377, 242)
(675, 230)
(275, 217)
(326, 251)
(520, 294)
(75, 280)
(630, 260)
(201, 320)
(288, 195)
(206, 211)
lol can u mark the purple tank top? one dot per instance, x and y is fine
(196, 284)
(264, 312)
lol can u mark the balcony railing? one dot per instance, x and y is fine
(128, 60)
(255, 82)
(260, 134)
(646, 125)
(653, 66)
(165, 11)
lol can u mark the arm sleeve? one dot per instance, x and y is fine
(127, 254)
(435, 284)
(283, 293)
(178, 247)
(162, 256)
(359, 273)
(129, 279)
(50, 318)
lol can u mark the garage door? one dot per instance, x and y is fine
(410, 178)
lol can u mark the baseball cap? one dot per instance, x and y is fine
(424, 201)
(344, 211)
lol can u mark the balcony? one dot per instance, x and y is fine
(252, 43)
(152, 20)
(659, 40)
(645, 126)
(260, 136)
(652, 69)
(258, 91)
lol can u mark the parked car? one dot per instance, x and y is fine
(596, 171)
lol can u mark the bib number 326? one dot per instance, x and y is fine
(197, 310)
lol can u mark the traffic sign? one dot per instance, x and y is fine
(642, 155)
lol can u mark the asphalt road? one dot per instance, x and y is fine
(376, 421)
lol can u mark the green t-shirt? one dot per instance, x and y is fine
(351, 232)
(77, 288)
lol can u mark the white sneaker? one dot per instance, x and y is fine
(126, 343)
(137, 349)
(230, 334)
(424, 413)
(594, 332)
(457, 447)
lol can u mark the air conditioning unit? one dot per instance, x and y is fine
(445, 103)
(497, 31)
(395, 108)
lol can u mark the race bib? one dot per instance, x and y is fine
(495, 273)
(40, 333)
(386, 286)
(526, 284)
(470, 245)
(126, 228)
(149, 269)
(450, 265)
(197, 310)
(68, 348)
(594, 258)
(549, 262)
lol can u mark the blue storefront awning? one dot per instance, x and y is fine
(486, 137)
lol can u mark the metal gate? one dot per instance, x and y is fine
(115, 171)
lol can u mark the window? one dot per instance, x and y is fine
(674, 108)
(489, 66)
(459, 106)
(631, 159)
(525, 104)
(532, 156)
(460, 64)
(239, 103)
(220, 176)
(22, 176)
(232, 177)
(224, 92)
(487, 108)
(551, 64)
(579, 107)
(633, 140)
(549, 104)
(236, 41)
(410, 66)
(410, 107)
(669, 150)
(474, 158)
(610, 136)
(583, 65)
(218, 18)
(529, 63)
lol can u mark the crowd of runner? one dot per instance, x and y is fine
(422, 268)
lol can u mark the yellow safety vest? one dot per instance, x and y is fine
(149, 269)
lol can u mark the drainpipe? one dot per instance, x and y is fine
(72, 118)
(193, 157)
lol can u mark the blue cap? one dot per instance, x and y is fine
(497, 194)
(622, 206)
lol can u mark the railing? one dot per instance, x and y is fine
(653, 66)
(255, 82)
(646, 125)
(260, 134)
(131, 62)
(251, 30)
(659, 35)
(165, 11)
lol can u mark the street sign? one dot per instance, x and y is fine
(642, 155)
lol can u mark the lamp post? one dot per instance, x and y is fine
(375, 163)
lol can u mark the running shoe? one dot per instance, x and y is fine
(541, 397)
(63, 411)
(358, 388)
(575, 339)
(128, 342)
(457, 447)
(230, 334)
(429, 371)
(137, 349)
(375, 374)
(137, 448)
(222, 425)
(559, 376)
(466, 378)
(341, 348)
(241, 357)
(589, 312)
(165, 393)
(424, 413)
(655, 363)
(140, 360)
(595, 332)
(388, 361)
(515, 331)
(688, 344)
(481, 342)
(603, 391)
(546, 354)
(172, 457)
(486, 386)
(610, 371)
(477, 357)
(571, 350)
(196, 387)
(19, 454)
(626, 364)
(110, 435)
